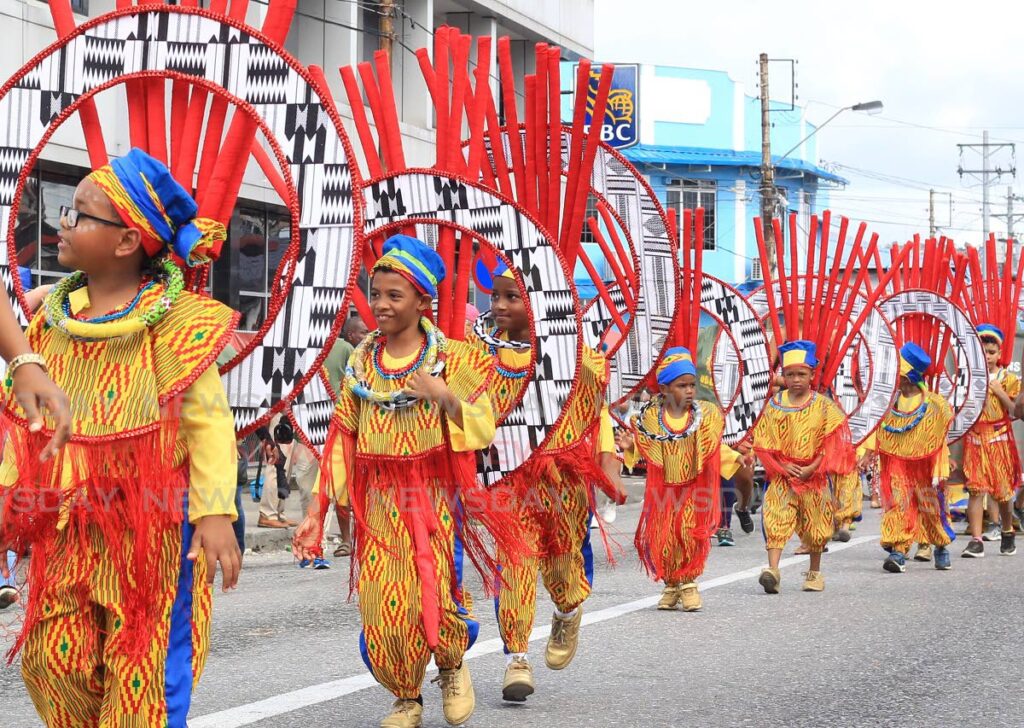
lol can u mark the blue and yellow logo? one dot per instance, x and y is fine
(619, 127)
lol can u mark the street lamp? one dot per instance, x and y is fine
(865, 106)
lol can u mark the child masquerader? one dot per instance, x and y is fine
(553, 492)
(913, 464)
(801, 438)
(412, 409)
(991, 461)
(681, 439)
(126, 525)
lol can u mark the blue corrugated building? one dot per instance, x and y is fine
(697, 137)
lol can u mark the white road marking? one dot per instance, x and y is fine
(297, 699)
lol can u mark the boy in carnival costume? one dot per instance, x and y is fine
(554, 493)
(127, 524)
(991, 462)
(913, 463)
(681, 439)
(412, 409)
(801, 438)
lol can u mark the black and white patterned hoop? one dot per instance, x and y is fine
(300, 123)
(968, 391)
(644, 222)
(428, 198)
(483, 326)
(877, 336)
(740, 367)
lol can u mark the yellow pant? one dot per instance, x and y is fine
(393, 642)
(915, 512)
(556, 524)
(850, 496)
(808, 514)
(72, 667)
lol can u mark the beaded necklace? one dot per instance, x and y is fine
(776, 403)
(387, 372)
(118, 323)
(432, 356)
(914, 418)
(668, 434)
(119, 312)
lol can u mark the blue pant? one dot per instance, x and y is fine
(239, 524)
(11, 558)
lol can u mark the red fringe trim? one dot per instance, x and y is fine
(987, 462)
(579, 464)
(904, 470)
(486, 519)
(840, 457)
(661, 521)
(128, 490)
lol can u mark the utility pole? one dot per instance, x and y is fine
(931, 214)
(987, 173)
(984, 185)
(767, 170)
(387, 27)
(1011, 217)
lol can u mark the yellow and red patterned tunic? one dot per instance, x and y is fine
(786, 434)
(150, 423)
(680, 510)
(991, 461)
(584, 430)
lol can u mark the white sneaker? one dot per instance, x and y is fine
(992, 533)
(608, 512)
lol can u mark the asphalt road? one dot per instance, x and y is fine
(924, 648)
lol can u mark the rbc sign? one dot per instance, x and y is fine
(620, 127)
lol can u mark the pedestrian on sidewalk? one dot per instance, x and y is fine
(275, 437)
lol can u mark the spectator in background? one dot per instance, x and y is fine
(275, 480)
(353, 331)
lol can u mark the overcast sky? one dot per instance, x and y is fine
(945, 72)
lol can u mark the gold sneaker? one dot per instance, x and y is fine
(405, 714)
(770, 579)
(564, 639)
(518, 683)
(814, 581)
(457, 697)
(924, 552)
(669, 597)
(690, 596)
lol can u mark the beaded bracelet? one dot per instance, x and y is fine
(22, 359)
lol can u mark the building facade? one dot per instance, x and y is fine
(328, 33)
(699, 145)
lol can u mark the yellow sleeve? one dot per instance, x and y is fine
(8, 473)
(631, 457)
(869, 445)
(477, 431)
(731, 461)
(209, 432)
(335, 460)
(1012, 385)
(941, 468)
(606, 433)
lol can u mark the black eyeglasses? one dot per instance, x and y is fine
(71, 216)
